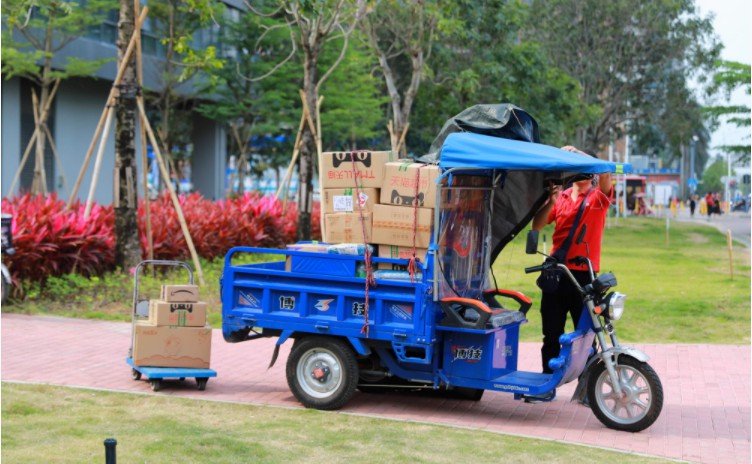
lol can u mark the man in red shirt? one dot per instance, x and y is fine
(562, 208)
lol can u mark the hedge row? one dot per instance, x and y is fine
(51, 240)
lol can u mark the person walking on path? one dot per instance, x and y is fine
(692, 205)
(562, 209)
(709, 204)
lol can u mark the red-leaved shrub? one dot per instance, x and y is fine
(215, 227)
(52, 241)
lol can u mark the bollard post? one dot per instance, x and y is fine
(110, 455)
(731, 261)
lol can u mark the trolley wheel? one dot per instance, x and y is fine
(135, 374)
(201, 383)
(641, 400)
(322, 372)
(156, 384)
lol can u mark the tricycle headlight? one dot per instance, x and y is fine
(614, 305)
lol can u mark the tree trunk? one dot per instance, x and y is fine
(307, 151)
(127, 250)
(39, 182)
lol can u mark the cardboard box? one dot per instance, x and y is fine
(400, 179)
(344, 200)
(180, 314)
(167, 346)
(401, 252)
(179, 293)
(336, 169)
(396, 225)
(347, 227)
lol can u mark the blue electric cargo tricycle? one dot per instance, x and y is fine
(451, 328)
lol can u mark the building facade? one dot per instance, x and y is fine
(76, 111)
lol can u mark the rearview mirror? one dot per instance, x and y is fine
(531, 247)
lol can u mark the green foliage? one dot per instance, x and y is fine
(247, 102)
(485, 62)
(351, 113)
(34, 32)
(628, 57)
(729, 77)
(711, 178)
(186, 59)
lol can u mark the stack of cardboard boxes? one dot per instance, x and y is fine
(386, 191)
(175, 335)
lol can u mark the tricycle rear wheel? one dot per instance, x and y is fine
(322, 372)
(642, 395)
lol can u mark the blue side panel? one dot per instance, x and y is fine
(265, 295)
(482, 355)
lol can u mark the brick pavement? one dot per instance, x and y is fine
(705, 418)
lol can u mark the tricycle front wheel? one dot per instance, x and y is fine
(641, 400)
(322, 372)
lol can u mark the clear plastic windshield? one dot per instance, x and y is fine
(463, 245)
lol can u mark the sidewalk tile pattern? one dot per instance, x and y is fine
(705, 418)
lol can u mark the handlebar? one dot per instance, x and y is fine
(555, 264)
(530, 270)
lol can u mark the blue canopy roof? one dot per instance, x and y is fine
(470, 150)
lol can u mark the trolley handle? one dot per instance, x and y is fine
(163, 262)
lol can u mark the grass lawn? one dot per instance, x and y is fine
(65, 425)
(678, 293)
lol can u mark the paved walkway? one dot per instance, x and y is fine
(705, 418)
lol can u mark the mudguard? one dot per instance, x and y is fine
(627, 350)
(6, 273)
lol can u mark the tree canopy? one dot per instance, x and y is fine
(628, 57)
(730, 76)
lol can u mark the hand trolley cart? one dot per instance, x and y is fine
(155, 374)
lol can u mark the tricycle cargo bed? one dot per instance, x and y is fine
(320, 294)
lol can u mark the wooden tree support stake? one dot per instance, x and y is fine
(175, 202)
(108, 104)
(98, 163)
(34, 136)
(40, 175)
(401, 142)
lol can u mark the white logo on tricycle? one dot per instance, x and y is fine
(323, 305)
(247, 299)
(467, 353)
(402, 311)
